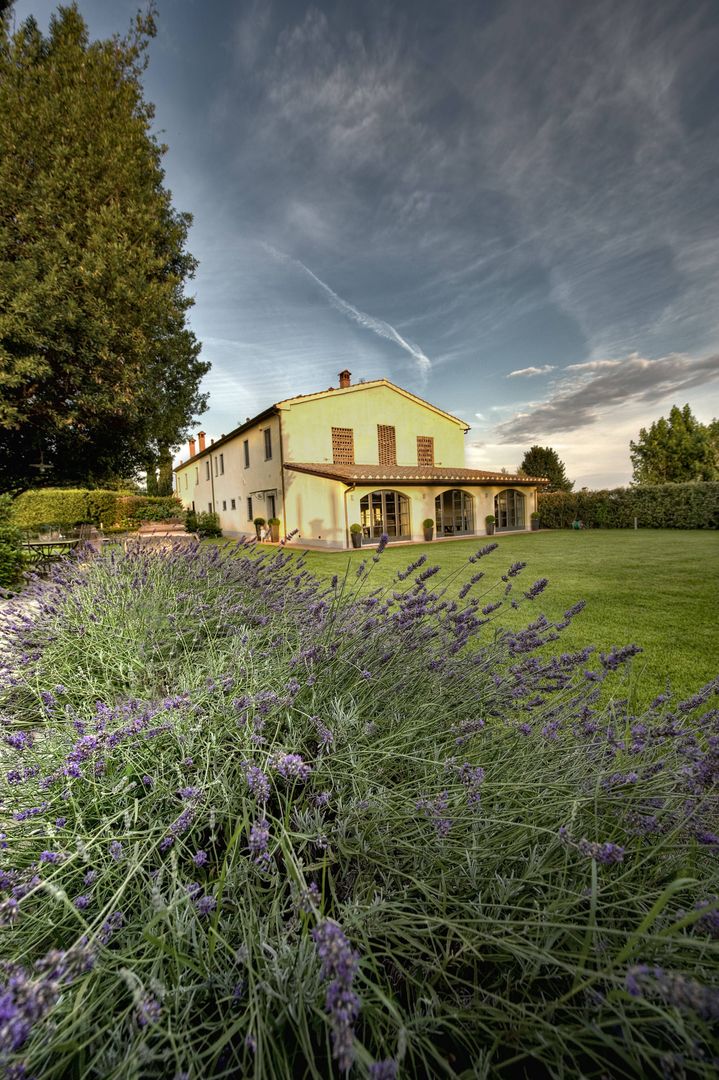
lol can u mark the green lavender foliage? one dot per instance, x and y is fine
(523, 876)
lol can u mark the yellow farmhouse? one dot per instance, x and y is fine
(368, 453)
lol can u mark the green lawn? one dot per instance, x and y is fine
(658, 588)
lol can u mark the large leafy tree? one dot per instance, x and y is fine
(99, 372)
(676, 450)
(544, 461)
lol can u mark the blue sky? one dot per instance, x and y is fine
(507, 207)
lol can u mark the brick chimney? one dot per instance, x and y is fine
(191, 445)
(201, 437)
(345, 377)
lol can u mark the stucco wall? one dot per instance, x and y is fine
(237, 482)
(307, 426)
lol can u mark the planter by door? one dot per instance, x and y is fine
(356, 539)
(428, 534)
(535, 524)
(490, 530)
(275, 534)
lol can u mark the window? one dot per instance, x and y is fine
(454, 513)
(217, 466)
(509, 509)
(224, 504)
(268, 444)
(246, 449)
(222, 464)
(249, 505)
(185, 481)
(425, 450)
(232, 504)
(197, 474)
(207, 469)
(343, 446)
(387, 444)
(209, 508)
(384, 512)
(271, 507)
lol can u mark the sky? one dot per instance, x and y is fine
(509, 208)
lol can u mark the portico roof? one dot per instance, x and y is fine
(411, 474)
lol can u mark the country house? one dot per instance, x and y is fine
(369, 453)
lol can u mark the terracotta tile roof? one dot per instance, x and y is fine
(408, 474)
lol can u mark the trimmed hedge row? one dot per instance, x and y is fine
(11, 556)
(656, 506)
(68, 507)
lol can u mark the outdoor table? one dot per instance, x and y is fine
(43, 552)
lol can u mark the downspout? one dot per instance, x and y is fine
(347, 527)
(282, 475)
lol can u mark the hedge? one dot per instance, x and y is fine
(655, 506)
(11, 556)
(69, 507)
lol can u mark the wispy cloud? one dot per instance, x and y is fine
(530, 372)
(598, 389)
(367, 322)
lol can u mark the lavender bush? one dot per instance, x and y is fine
(258, 825)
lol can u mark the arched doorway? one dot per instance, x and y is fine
(454, 513)
(384, 512)
(509, 510)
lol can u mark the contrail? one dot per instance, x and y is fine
(377, 326)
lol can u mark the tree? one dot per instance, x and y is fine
(99, 372)
(676, 450)
(543, 461)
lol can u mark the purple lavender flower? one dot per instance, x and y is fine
(292, 767)
(148, 781)
(90, 877)
(148, 1011)
(82, 902)
(259, 842)
(205, 905)
(674, 989)
(60, 822)
(257, 782)
(436, 809)
(109, 927)
(604, 853)
(187, 793)
(200, 858)
(115, 850)
(472, 776)
(383, 1070)
(251, 1043)
(339, 966)
(50, 857)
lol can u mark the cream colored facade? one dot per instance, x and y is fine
(273, 466)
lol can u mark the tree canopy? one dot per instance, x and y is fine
(544, 461)
(99, 371)
(676, 450)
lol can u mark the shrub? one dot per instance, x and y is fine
(208, 524)
(661, 506)
(260, 822)
(191, 521)
(428, 523)
(71, 507)
(12, 559)
(355, 528)
(273, 521)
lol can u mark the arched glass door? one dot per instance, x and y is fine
(454, 513)
(509, 509)
(384, 512)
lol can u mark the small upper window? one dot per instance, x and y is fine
(246, 448)
(217, 466)
(268, 444)
(343, 446)
(197, 474)
(232, 504)
(386, 444)
(425, 450)
(185, 481)
(209, 508)
(224, 504)
(222, 464)
(249, 508)
(207, 469)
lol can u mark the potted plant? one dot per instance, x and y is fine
(428, 526)
(534, 518)
(490, 521)
(259, 522)
(356, 534)
(274, 524)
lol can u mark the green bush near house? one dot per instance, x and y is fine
(68, 507)
(11, 555)
(656, 506)
(208, 525)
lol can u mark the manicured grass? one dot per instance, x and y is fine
(657, 588)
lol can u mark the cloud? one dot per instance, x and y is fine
(582, 399)
(367, 322)
(529, 372)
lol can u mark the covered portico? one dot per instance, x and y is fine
(396, 500)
